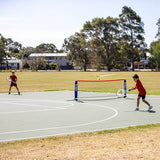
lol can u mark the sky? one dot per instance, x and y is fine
(32, 22)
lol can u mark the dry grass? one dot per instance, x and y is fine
(132, 143)
(45, 81)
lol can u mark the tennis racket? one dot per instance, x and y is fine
(120, 93)
(10, 80)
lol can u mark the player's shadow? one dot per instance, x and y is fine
(82, 100)
(16, 94)
(151, 111)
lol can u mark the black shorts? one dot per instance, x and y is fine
(15, 85)
(143, 96)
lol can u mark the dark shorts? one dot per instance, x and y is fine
(15, 85)
(143, 96)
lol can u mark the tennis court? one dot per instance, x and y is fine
(43, 114)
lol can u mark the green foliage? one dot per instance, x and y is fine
(26, 65)
(38, 63)
(158, 33)
(77, 47)
(103, 33)
(132, 33)
(155, 50)
(24, 52)
(53, 65)
(42, 63)
(58, 68)
(46, 48)
(2, 49)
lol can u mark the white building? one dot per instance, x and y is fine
(12, 63)
(60, 58)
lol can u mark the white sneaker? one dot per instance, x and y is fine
(150, 107)
(137, 109)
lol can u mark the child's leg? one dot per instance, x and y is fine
(146, 102)
(138, 101)
(10, 89)
(17, 88)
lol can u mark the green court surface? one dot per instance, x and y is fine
(43, 114)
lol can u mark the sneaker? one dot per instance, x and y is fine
(19, 93)
(150, 107)
(9, 92)
(137, 109)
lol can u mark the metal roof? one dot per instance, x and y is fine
(48, 55)
(12, 60)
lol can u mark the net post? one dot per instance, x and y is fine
(125, 88)
(76, 91)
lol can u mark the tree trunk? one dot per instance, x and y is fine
(108, 67)
(132, 64)
(85, 67)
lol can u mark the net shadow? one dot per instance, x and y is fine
(98, 99)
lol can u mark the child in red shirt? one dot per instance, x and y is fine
(13, 80)
(142, 92)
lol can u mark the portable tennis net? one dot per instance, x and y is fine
(93, 88)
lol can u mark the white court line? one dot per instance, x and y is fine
(106, 75)
(70, 133)
(21, 104)
(71, 126)
(42, 110)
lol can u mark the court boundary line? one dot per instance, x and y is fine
(45, 110)
(72, 133)
(71, 126)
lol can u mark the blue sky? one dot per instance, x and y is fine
(32, 22)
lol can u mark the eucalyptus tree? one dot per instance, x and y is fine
(106, 31)
(46, 48)
(77, 48)
(158, 33)
(2, 49)
(132, 32)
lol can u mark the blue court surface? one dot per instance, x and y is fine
(43, 114)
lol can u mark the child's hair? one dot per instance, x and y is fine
(136, 76)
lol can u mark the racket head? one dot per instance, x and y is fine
(8, 79)
(120, 93)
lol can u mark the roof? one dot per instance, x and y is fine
(48, 55)
(12, 60)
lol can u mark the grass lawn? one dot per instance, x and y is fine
(47, 81)
(132, 143)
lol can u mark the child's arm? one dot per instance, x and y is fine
(133, 88)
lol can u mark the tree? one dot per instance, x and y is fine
(24, 52)
(155, 50)
(2, 49)
(132, 32)
(26, 65)
(106, 32)
(96, 57)
(158, 24)
(46, 48)
(77, 47)
(52, 65)
(42, 63)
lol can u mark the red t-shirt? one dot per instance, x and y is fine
(13, 78)
(140, 88)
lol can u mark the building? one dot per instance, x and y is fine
(59, 58)
(12, 63)
(142, 64)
